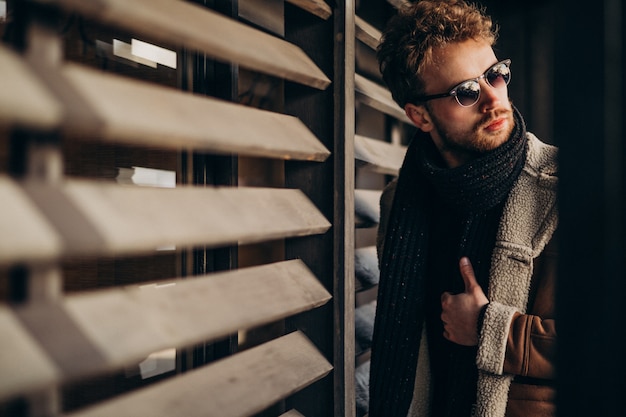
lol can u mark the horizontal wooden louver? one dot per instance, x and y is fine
(381, 157)
(399, 4)
(24, 100)
(25, 234)
(367, 207)
(239, 386)
(291, 413)
(108, 219)
(317, 7)
(362, 382)
(378, 97)
(24, 364)
(105, 330)
(364, 316)
(143, 114)
(367, 33)
(187, 25)
(366, 267)
(266, 15)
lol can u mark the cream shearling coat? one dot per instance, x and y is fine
(528, 223)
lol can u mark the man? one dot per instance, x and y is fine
(465, 315)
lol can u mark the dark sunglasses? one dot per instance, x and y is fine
(467, 93)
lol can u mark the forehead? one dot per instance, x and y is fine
(457, 62)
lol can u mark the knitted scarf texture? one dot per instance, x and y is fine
(473, 189)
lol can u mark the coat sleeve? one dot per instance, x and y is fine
(515, 343)
(531, 347)
(524, 344)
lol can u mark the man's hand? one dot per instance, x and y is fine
(460, 312)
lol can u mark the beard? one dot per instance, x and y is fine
(476, 140)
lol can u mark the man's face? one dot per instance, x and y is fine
(462, 133)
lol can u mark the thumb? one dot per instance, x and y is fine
(467, 272)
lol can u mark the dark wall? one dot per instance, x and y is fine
(590, 125)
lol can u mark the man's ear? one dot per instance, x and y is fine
(419, 116)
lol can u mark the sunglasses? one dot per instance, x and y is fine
(467, 93)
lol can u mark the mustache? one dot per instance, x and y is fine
(493, 116)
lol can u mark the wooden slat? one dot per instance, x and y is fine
(143, 114)
(366, 267)
(185, 24)
(364, 325)
(381, 157)
(112, 328)
(24, 100)
(241, 385)
(197, 309)
(361, 385)
(367, 207)
(267, 14)
(317, 7)
(399, 4)
(378, 97)
(291, 413)
(24, 233)
(110, 219)
(367, 33)
(23, 363)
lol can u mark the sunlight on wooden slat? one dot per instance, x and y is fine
(382, 157)
(24, 100)
(24, 233)
(184, 24)
(367, 207)
(399, 4)
(119, 327)
(378, 97)
(291, 413)
(110, 219)
(241, 385)
(367, 33)
(317, 7)
(366, 267)
(148, 115)
(128, 323)
(23, 363)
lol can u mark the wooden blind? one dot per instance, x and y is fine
(378, 97)
(127, 111)
(109, 329)
(379, 156)
(62, 209)
(317, 7)
(380, 143)
(185, 24)
(24, 101)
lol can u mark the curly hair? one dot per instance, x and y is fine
(412, 34)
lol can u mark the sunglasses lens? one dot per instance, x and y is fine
(499, 75)
(467, 93)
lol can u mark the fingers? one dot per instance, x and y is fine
(459, 312)
(467, 272)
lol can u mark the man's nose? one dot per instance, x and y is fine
(489, 96)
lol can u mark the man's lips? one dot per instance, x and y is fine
(496, 124)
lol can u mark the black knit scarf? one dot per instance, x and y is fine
(472, 188)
